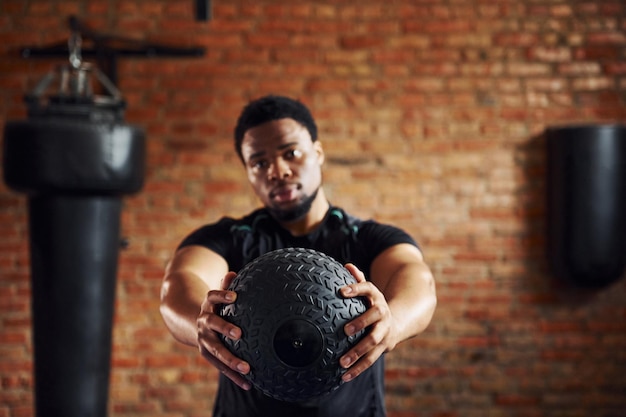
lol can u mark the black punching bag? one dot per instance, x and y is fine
(74, 158)
(587, 203)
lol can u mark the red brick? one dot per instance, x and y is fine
(476, 341)
(361, 41)
(222, 187)
(517, 39)
(592, 84)
(563, 355)
(143, 408)
(597, 52)
(516, 400)
(554, 54)
(607, 38)
(392, 56)
(561, 326)
(615, 68)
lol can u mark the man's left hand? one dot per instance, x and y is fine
(378, 320)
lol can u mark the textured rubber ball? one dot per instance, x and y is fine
(292, 317)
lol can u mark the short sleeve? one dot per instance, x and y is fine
(379, 237)
(216, 237)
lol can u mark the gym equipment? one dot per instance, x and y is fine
(586, 216)
(292, 317)
(74, 158)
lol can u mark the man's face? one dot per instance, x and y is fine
(283, 166)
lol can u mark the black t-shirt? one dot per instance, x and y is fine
(341, 236)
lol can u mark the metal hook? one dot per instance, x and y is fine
(74, 45)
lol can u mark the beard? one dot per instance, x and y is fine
(295, 213)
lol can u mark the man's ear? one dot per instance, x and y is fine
(319, 150)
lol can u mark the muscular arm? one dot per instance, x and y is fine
(189, 276)
(402, 298)
(194, 283)
(408, 286)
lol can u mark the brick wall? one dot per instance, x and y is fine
(431, 113)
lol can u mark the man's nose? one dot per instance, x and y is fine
(279, 169)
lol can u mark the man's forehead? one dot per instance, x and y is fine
(275, 134)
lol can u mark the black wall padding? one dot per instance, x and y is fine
(586, 213)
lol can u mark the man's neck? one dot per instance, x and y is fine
(312, 219)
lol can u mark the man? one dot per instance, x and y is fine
(276, 139)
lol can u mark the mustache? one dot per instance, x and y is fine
(284, 184)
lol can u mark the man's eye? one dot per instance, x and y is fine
(261, 164)
(293, 154)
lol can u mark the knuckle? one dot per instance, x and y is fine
(374, 339)
(216, 352)
(365, 346)
(361, 322)
(378, 310)
(215, 322)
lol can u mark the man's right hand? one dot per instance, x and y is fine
(211, 325)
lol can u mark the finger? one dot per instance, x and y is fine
(228, 279)
(231, 374)
(212, 345)
(369, 341)
(210, 322)
(362, 355)
(216, 297)
(355, 272)
(358, 366)
(362, 289)
(362, 322)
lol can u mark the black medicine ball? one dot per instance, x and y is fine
(292, 317)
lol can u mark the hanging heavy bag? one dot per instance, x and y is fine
(586, 214)
(74, 158)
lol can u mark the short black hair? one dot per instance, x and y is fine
(272, 107)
